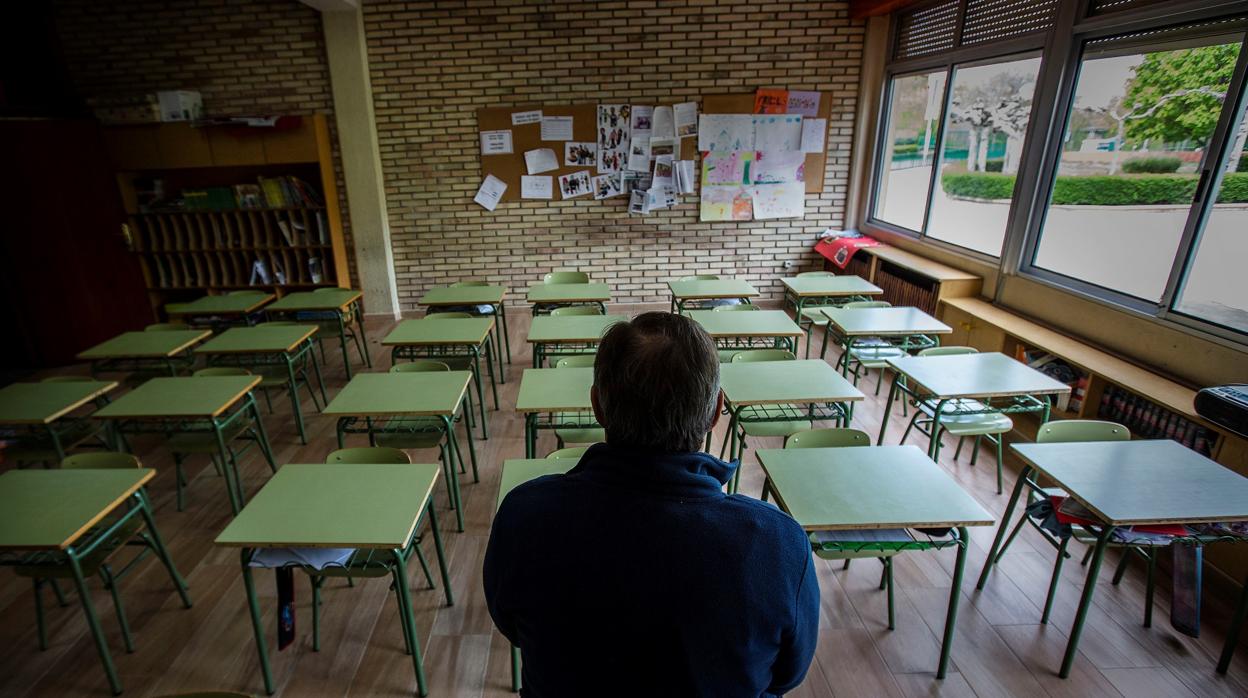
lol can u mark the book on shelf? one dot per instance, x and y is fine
(288, 192)
(208, 199)
(286, 232)
(274, 194)
(249, 196)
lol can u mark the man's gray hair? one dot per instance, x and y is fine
(657, 380)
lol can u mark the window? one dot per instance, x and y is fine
(1136, 137)
(909, 149)
(989, 109)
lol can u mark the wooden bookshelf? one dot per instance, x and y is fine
(908, 279)
(187, 253)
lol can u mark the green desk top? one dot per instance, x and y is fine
(41, 403)
(334, 505)
(1138, 482)
(774, 382)
(758, 323)
(555, 329)
(517, 471)
(337, 299)
(50, 509)
(868, 487)
(718, 288)
(231, 304)
(569, 293)
(180, 398)
(820, 286)
(261, 339)
(555, 389)
(145, 345)
(470, 331)
(975, 375)
(463, 295)
(897, 321)
(400, 394)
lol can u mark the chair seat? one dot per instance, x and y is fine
(364, 564)
(815, 316)
(818, 538)
(774, 428)
(91, 563)
(273, 376)
(412, 432)
(875, 356)
(39, 448)
(963, 417)
(203, 442)
(581, 436)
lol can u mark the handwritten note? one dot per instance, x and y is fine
(495, 142)
(541, 187)
(490, 193)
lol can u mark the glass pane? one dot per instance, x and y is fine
(913, 117)
(983, 144)
(1134, 142)
(1216, 287)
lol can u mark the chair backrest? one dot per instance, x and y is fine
(368, 454)
(165, 327)
(461, 284)
(221, 371)
(1072, 430)
(450, 315)
(566, 277)
(947, 351)
(735, 308)
(569, 453)
(100, 460)
(245, 292)
(867, 304)
(67, 379)
(174, 307)
(420, 366)
(828, 438)
(763, 355)
(701, 277)
(326, 289)
(578, 361)
(817, 273)
(577, 310)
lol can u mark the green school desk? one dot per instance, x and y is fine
(1000, 383)
(808, 294)
(877, 487)
(701, 290)
(137, 351)
(552, 398)
(285, 349)
(517, 471)
(1127, 483)
(457, 341)
(55, 516)
(782, 391)
(912, 328)
(450, 297)
(216, 405)
(758, 329)
(373, 508)
(45, 408)
(383, 400)
(342, 303)
(224, 310)
(546, 297)
(567, 335)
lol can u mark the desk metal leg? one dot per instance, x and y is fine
(363, 337)
(1089, 588)
(502, 316)
(476, 379)
(342, 343)
(145, 508)
(261, 433)
(253, 604)
(888, 408)
(734, 421)
(408, 620)
(530, 435)
(453, 447)
(955, 596)
(1232, 635)
(294, 397)
(1019, 486)
(101, 645)
(515, 669)
(230, 472)
(437, 546)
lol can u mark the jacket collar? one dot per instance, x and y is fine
(679, 475)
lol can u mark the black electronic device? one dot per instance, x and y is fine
(1226, 406)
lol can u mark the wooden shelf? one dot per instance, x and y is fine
(908, 279)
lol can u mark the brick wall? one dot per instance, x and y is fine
(244, 56)
(434, 63)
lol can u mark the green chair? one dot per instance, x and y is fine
(764, 420)
(45, 568)
(566, 277)
(731, 347)
(828, 438)
(460, 362)
(166, 327)
(372, 455)
(576, 310)
(327, 327)
(812, 274)
(568, 453)
(963, 417)
(739, 306)
(708, 303)
(245, 292)
(576, 434)
(866, 353)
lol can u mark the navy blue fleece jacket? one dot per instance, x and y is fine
(634, 574)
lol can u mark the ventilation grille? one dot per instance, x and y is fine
(927, 30)
(994, 20)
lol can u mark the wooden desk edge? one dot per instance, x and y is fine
(147, 476)
(255, 380)
(70, 408)
(311, 331)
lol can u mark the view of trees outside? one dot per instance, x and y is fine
(914, 116)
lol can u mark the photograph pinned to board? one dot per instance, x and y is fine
(777, 132)
(574, 185)
(607, 186)
(556, 128)
(639, 155)
(802, 103)
(726, 132)
(613, 137)
(521, 118)
(540, 187)
(580, 154)
(663, 172)
(490, 192)
(813, 134)
(663, 123)
(770, 101)
(728, 203)
(787, 200)
(684, 173)
(686, 114)
(540, 160)
(612, 160)
(660, 198)
(726, 167)
(778, 167)
(496, 142)
(642, 119)
(662, 146)
(632, 181)
(637, 202)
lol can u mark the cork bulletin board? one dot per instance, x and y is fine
(525, 137)
(816, 163)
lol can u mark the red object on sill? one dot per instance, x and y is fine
(839, 250)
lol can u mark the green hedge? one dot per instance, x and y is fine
(1243, 162)
(1098, 190)
(905, 148)
(1152, 165)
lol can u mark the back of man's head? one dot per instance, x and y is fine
(656, 379)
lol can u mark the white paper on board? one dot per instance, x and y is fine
(639, 155)
(496, 142)
(663, 176)
(637, 202)
(726, 132)
(490, 193)
(663, 123)
(540, 160)
(641, 120)
(540, 187)
(556, 128)
(521, 118)
(683, 169)
(813, 131)
(777, 132)
(786, 200)
(686, 119)
(804, 103)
